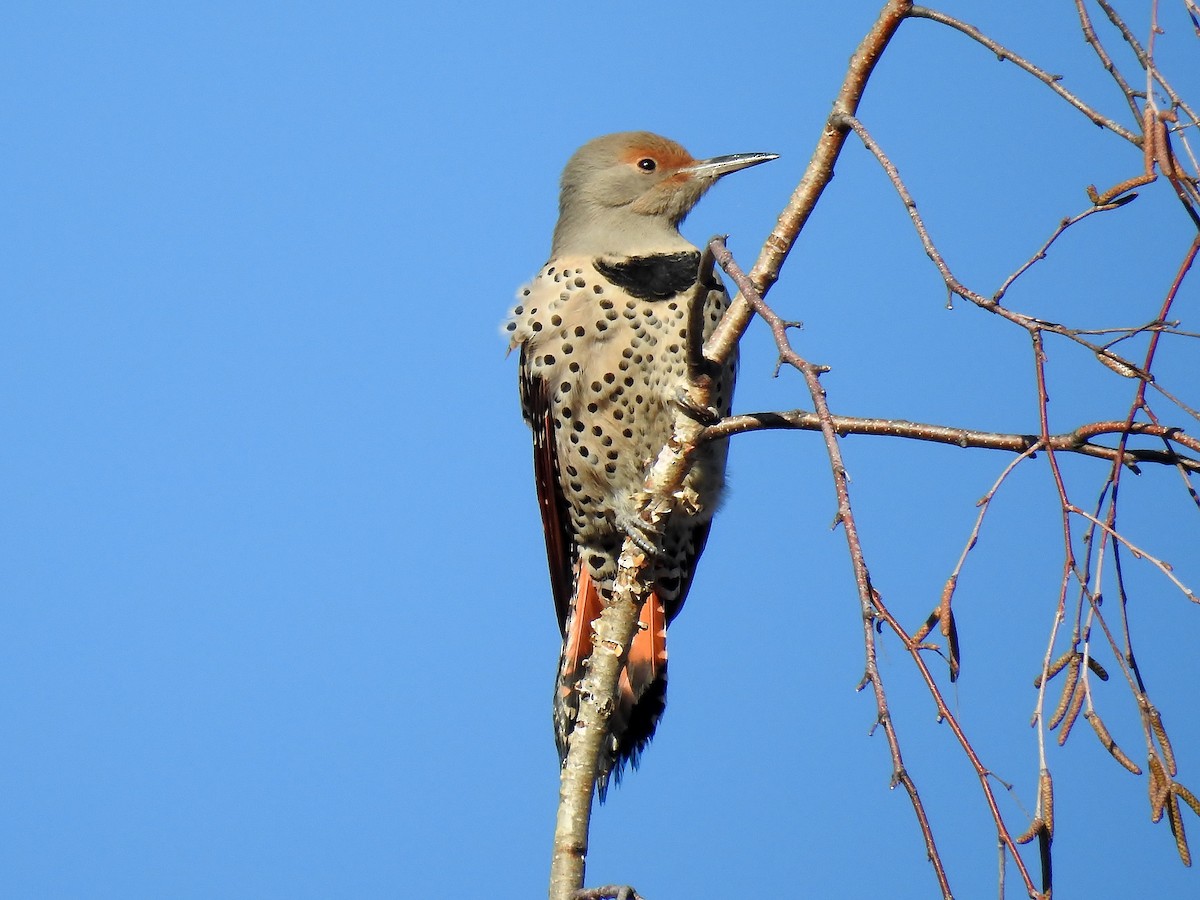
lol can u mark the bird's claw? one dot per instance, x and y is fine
(705, 415)
(637, 531)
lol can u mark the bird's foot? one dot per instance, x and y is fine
(705, 415)
(639, 532)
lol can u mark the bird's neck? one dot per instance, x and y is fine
(615, 232)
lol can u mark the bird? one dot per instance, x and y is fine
(603, 334)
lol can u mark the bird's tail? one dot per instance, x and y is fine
(642, 690)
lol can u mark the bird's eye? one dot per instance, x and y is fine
(647, 165)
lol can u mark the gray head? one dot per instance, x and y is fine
(627, 193)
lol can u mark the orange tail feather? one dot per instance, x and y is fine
(641, 691)
(648, 652)
(577, 645)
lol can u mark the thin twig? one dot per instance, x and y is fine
(1139, 552)
(1089, 35)
(1041, 252)
(1003, 53)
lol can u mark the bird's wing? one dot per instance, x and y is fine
(556, 520)
(687, 569)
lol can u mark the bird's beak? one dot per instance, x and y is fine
(722, 165)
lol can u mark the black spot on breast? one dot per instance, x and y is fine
(657, 277)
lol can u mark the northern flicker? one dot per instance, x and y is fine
(603, 334)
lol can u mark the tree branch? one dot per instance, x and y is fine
(1077, 441)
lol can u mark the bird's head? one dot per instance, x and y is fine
(628, 192)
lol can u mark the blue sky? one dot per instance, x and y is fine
(276, 618)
